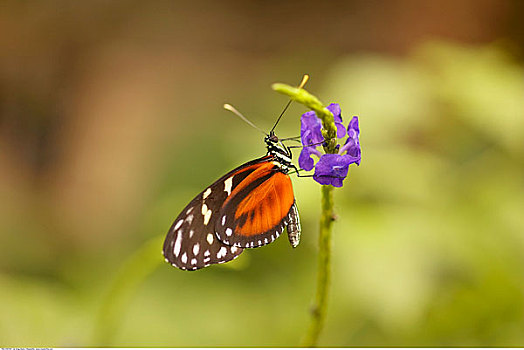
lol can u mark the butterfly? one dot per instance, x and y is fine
(248, 207)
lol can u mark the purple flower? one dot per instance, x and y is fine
(310, 127)
(337, 114)
(311, 136)
(305, 160)
(331, 169)
(352, 145)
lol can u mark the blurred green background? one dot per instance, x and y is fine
(111, 120)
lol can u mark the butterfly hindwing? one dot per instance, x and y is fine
(258, 209)
(191, 242)
(293, 226)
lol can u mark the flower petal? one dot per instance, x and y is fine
(310, 127)
(332, 169)
(341, 130)
(353, 128)
(352, 145)
(304, 160)
(337, 113)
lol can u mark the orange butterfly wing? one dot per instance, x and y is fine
(266, 206)
(257, 210)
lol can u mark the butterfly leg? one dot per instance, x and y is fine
(300, 175)
(294, 138)
(313, 144)
(297, 171)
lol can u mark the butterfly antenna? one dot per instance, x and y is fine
(305, 78)
(230, 108)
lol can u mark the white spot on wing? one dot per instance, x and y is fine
(207, 253)
(207, 193)
(191, 232)
(234, 249)
(221, 253)
(193, 261)
(229, 232)
(178, 244)
(223, 220)
(206, 212)
(207, 217)
(210, 238)
(196, 248)
(189, 219)
(178, 224)
(184, 258)
(228, 184)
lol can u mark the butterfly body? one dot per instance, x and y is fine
(248, 207)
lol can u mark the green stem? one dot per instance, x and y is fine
(319, 310)
(132, 273)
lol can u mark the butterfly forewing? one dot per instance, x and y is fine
(191, 242)
(258, 209)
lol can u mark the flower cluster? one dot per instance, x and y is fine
(330, 169)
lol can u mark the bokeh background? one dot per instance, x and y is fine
(111, 120)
